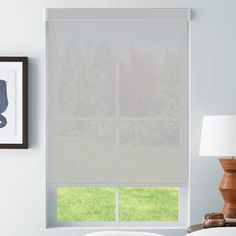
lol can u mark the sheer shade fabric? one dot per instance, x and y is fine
(117, 96)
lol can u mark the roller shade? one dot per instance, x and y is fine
(117, 96)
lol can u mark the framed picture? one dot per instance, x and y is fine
(13, 102)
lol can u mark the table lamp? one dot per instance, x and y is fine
(218, 138)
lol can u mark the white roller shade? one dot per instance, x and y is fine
(117, 96)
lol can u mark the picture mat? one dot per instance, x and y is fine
(10, 129)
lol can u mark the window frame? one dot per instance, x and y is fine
(52, 212)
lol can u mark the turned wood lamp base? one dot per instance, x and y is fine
(228, 187)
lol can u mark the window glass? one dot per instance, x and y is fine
(148, 204)
(86, 204)
(77, 204)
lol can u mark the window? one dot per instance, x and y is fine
(117, 116)
(76, 204)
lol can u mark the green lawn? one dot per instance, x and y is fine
(135, 204)
(148, 204)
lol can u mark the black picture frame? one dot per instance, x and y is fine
(20, 72)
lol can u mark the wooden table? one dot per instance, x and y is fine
(197, 227)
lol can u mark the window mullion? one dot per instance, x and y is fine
(117, 109)
(117, 204)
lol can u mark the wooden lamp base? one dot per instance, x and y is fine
(228, 187)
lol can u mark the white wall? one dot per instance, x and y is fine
(22, 172)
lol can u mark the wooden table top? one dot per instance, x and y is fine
(197, 227)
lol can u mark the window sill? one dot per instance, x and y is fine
(125, 226)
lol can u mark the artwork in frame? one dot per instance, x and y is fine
(13, 102)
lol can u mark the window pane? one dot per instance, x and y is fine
(84, 68)
(84, 152)
(148, 204)
(149, 151)
(86, 204)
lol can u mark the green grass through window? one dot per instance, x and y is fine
(135, 204)
(148, 204)
(86, 204)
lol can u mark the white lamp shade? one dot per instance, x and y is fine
(218, 137)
